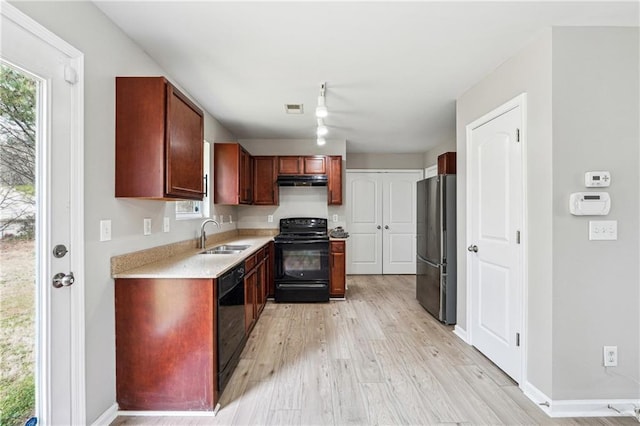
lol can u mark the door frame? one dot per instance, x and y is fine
(76, 240)
(518, 101)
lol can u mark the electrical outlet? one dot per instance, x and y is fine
(230, 219)
(270, 218)
(610, 356)
(166, 226)
(147, 226)
(105, 230)
(335, 217)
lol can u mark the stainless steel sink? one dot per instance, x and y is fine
(226, 249)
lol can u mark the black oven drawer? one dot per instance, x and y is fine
(302, 291)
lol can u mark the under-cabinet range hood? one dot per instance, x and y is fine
(302, 180)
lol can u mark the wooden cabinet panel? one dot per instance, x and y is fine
(447, 163)
(315, 165)
(290, 165)
(159, 141)
(246, 177)
(334, 180)
(250, 283)
(232, 174)
(271, 255)
(337, 265)
(165, 344)
(265, 175)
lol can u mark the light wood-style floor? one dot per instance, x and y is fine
(376, 358)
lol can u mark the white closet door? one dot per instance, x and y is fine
(399, 222)
(364, 246)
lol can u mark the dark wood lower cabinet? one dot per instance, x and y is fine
(337, 269)
(166, 354)
(165, 344)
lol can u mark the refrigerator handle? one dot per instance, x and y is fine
(443, 222)
(422, 259)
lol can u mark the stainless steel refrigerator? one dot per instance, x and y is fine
(436, 247)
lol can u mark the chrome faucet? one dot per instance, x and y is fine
(203, 235)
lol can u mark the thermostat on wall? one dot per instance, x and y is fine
(589, 203)
(597, 179)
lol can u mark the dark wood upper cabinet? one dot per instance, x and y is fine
(301, 165)
(265, 187)
(334, 180)
(447, 163)
(159, 141)
(316, 165)
(290, 165)
(232, 174)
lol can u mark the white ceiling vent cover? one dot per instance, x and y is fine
(294, 108)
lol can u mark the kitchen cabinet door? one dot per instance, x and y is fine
(232, 170)
(334, 180)
(246, 177)
(289, 165)
(250, 285)
(159, 141)
(265, 187)
(337, 269)
(316, 165)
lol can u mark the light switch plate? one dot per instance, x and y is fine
(600, 230)
(105, 230)
(166, 225)
(147, 226)
(270, 218)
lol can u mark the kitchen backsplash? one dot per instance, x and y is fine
(294, 202)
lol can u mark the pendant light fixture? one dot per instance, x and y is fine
(321, 141)
(321, 109)
(322, 129)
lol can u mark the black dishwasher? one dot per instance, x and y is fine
(230, 323)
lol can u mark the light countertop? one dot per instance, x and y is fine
(191, 264)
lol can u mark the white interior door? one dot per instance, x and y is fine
(56, 67)
(399, 218)
(495, 218)
(364, 245)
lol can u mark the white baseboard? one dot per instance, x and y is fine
(107, 417)
(537, 397)
(461, 333)
(581, 407)
(594, 408)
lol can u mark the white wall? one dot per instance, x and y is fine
(529, 71)
(582, 114)
(596, 284)
(384, 161)
(108, 53)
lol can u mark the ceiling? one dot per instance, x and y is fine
(393, 70)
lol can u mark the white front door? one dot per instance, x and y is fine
(57, 70)
(381, 220)
(399, 217)
(364, 194)
(495, 218)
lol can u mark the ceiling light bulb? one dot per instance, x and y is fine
(321, 141)
(322, 129)
(321, 109)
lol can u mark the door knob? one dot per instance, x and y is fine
(386, 227)
(378, 227)
(473, 248)
(63, 280)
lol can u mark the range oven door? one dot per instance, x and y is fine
(302, 271)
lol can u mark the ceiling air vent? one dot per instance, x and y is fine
(294, 108)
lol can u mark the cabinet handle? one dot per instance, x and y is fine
(206, 186)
